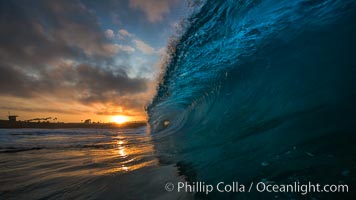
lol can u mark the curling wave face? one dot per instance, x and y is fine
(261, 90)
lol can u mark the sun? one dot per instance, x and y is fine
(120, 119)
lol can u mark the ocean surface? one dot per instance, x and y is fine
(261, 90)
(82, 164)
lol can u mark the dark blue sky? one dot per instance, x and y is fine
(141, 28)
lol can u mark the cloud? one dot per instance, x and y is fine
(143, 47)
(83, 82)
(116, 48)
(57, 50)
(97, 85)
(54, 29)
(13, 81)
(124, 32)
(109, 33)
(140, 45)
(154, 9)
(45, 110)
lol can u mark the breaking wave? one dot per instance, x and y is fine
(261, 90)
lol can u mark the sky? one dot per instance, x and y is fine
(75, 60)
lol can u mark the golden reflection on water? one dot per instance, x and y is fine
(77, 162)
(124, 153)
(128, 155)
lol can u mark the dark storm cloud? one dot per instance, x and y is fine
(82, 82)
(58, 48)
(13, 82)
(34, 34)
(101, 85)
(50, 110)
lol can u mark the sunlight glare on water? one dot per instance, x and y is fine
(43, 162)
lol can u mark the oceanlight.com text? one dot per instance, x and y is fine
(294, 187)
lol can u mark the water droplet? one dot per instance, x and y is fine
(309, 154)
(166, 123)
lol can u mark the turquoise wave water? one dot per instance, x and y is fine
(261, 90)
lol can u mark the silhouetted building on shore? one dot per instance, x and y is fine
(12, 118)
(87, 121)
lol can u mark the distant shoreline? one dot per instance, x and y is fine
(5, 124)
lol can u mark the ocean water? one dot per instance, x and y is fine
(261, 91)
(82, 164)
